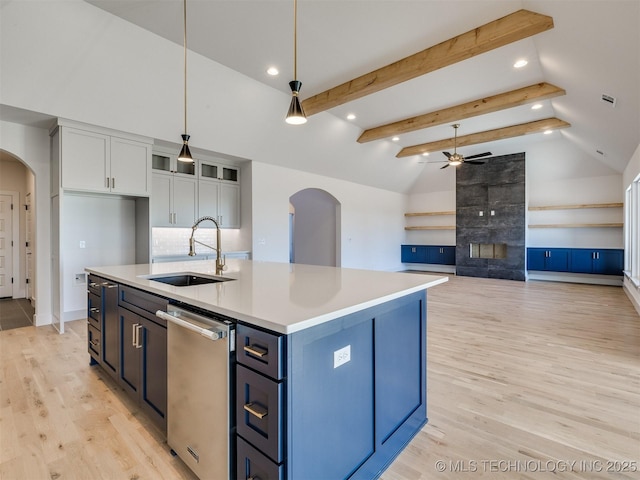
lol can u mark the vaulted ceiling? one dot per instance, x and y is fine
(412, 68)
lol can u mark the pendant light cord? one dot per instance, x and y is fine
(185, 66)
(295, 39)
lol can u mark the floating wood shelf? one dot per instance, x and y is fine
(572, 207)
(579, 225)
(428, 214)
(435, 227)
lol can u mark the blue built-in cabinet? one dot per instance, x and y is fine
(604, 261)
(435, 254)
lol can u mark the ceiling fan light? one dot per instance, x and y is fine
(295, 115)
(455, 162)
(185, 153)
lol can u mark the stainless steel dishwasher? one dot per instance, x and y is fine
(200, 349)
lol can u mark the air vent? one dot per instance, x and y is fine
(608, 99)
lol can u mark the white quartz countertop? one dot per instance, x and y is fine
(281, 297)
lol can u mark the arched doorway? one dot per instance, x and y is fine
(314, 228)
(17, 191)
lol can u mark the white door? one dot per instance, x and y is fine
(6, 247)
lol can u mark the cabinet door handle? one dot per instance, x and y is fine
(113, 182)
(135, 334)
(94, 310)
(256, 351)
(107, 182)
(256, 410)
(95, 343)
(138, 330)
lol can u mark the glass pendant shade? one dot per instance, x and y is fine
(185, 153)
(296, 115)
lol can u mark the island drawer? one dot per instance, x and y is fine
(253, 464)
(94, 307)
(93, 336)
(259, 412)
(140, 302)
(260, 350)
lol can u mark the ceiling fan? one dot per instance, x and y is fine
(456, 159)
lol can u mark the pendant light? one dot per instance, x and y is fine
(185, 154)
(296, 115)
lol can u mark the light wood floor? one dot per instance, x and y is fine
(523, 378)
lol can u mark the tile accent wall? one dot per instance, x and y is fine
(498, 186)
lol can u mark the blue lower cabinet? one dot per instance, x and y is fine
(548, 259)
(601, 261)
(436, 254)
(413, 254)
(441, 255)
(604, 261)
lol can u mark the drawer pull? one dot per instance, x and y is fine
(93, 284)
(256, 410)
(94, 310)
(109, 285)
(256, 351)
(95, 343)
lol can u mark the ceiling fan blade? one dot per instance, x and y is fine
(485, 154)
(447, 154)
(444, 166)
(475, 162)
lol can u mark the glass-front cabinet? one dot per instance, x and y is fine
(182, 191)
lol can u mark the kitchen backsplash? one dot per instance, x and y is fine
(175, 241)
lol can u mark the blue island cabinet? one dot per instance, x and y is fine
(346, 398)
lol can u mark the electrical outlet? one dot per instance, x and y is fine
(83, 244)
(342, 356)
(481, 213)
(80, 278)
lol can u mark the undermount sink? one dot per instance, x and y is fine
(186, 279)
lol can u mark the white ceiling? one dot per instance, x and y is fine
(593, 49)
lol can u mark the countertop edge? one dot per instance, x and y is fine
(262, 322)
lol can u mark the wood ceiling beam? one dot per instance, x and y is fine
(487, 136)
(511, 28)
(514, 98)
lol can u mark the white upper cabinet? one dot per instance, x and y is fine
(97, 162)
(130, 167)
(219, 193)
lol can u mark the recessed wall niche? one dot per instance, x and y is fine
(490, 210)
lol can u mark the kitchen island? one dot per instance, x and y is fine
(330, 379)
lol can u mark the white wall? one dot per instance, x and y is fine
(315, 217)
(87, 219)
(372, 220)
(31, 145)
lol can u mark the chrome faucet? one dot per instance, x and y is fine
(220, 261)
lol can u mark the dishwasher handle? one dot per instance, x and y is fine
(205, 332)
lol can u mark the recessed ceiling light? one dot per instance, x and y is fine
(351, 116)
(537, 106)
(547, 132)
(520, 63)
(273, 71)
(425, 154)
(395, 139)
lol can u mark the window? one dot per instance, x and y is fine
(632, 231)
